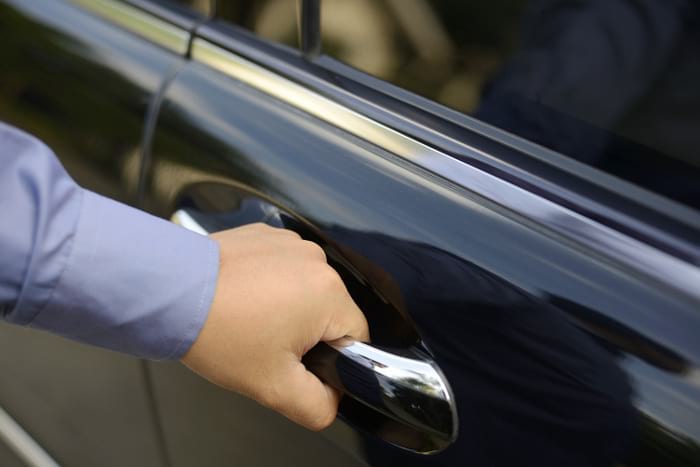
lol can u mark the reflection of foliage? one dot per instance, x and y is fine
(275, 20)
(57, 86)
(459, 47)
(660, 447)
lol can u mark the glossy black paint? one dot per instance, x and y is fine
(557, 357)
(532, 388)
(610, 201)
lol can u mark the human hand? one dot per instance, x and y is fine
(276, 298)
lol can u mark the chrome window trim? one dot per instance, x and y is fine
(139, 22)
(22, 444)
(641, 258)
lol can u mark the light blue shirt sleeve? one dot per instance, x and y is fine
(91, 269)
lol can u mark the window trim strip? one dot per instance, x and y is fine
(139, 22)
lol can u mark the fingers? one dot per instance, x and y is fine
(276, 297)
(346, 320)
(258, 228)
(304, 399)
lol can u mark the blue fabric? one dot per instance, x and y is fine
(91, 269)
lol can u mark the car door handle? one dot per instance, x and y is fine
(400, 394)
(402, 384)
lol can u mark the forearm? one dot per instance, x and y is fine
(91, 269)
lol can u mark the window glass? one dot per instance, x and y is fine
(612, 83)
(275, 20)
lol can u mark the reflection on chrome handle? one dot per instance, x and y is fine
(404, 385)
(401, 395)
(183, 218)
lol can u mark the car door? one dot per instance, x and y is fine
(559, 301)
(81, 76)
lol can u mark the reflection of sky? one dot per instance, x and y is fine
(394, 370)
(134, 57)
(201, 92)
(206, 107)
(672, 400)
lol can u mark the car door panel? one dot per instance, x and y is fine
(553, 351)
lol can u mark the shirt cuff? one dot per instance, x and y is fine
(133, 282)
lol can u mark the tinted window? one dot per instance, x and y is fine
(275, 20)
(612, 83)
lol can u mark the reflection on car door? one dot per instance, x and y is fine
(554, 347)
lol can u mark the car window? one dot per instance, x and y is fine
(611, 83)
(275, 20)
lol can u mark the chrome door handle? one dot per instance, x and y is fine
(405, 386)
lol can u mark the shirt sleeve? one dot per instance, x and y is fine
(91, 269)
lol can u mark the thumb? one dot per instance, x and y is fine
(306, 400)
(347, 321)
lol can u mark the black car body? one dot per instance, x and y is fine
(561, 302)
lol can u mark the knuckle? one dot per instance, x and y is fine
(314, 250)
(255, 228)
(283, 233)
(329, 279)
(321, 421)
(290, 233)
